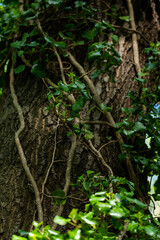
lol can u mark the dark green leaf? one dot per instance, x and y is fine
(55, 2)
(17, 44)
(139, 126)
(33, 44)
(79, 4)
(94, 55)
(60, 44)
(80, 103)
(141, 80)
(38, 71)
(48, 39)
(61, 196)
(96, 74)
(115, 38)
(19, 69)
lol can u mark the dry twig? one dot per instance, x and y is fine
(53, 157)
(122, 234)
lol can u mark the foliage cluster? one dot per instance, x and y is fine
(107, 215)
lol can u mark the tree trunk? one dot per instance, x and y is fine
(44, 139)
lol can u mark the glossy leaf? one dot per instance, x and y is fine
(19, 69)
(60, 220)
(38, 70)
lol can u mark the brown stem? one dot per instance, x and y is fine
(19, 146)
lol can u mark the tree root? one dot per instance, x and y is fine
(52, 162)
(19, 146)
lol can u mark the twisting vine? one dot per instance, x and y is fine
(18, 143)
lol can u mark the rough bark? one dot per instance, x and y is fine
(17, 201)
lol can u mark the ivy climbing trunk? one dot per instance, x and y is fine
(47, 148)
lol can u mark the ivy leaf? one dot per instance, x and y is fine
(61, 195)
(75, 234)
(89, 221)
(151, 65)
(115, 38)
(96, 74)
(17, 44)
(61, 221)
(33, 44)
(14, 237)
(117, 212)
(94, 55)
(125, 18)
(104, 207)
(139, 126)
(80, 103)
(79, 84)
(37, 70)
(132, 227)
(19, 69)
(150, 230)
(60, 44)
(48, 39)
(55, 2)
(79, 4)
(141, 80)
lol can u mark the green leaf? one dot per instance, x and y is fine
(20, 53)
(61, 221)
(19, 69)
(94, 199)
(60, 194)
(125, 18)
(94, 55)
(81, 42)
(115, 38)
(60, 44)
(139, 126)
(48, 39)
(17, 44)
(75, 234)
(132, 227)
(128, 132)
(38, 71)
(151, 65)
(79, 84)
(33, 44)
(64, 87)
(96, 74)
(104, 207)
(55, 2)
(14, 237)
(150, 230)
(79, 4)
(80, 103)
(117, 212)
(22, 233)
(141, 80)
(89, 221)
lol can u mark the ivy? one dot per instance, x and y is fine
(105, 214)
